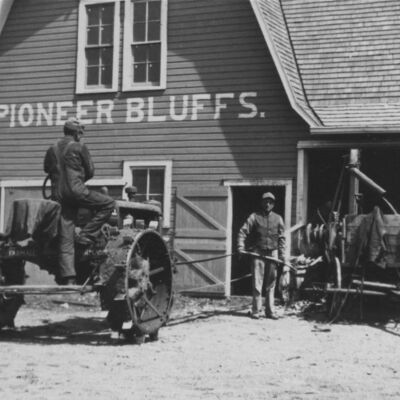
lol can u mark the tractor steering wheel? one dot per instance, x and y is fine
(44, 194)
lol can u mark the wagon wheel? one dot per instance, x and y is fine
(148, 285)
(12, 272)
(335, 300)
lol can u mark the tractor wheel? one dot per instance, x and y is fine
(144, 287)
(149, 296)
(12, 272)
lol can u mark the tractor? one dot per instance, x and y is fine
(129, 265)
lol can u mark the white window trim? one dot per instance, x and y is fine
(127, 84)
(80, 63)
(167, 165)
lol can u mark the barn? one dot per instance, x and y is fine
(203, 105)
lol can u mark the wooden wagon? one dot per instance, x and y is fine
(356, 254)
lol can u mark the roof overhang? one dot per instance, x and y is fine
(5, 7)
(300, 106)
(355, 130)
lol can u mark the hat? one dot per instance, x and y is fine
(268, 195)
(73, 124)
(130, 189)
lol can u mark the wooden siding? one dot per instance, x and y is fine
(213, 47)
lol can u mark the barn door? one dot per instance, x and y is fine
(200, 232)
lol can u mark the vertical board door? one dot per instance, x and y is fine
(200, 233)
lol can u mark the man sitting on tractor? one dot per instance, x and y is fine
(69, 166)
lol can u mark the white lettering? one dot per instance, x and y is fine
(138, 109)
(25, 108)
(152, 117)
(197, 106)
(46, 114)
(134, 106)
(4, 110)
(219, 105)
(61, 113)
(104, 107)
(81, 113)
(12, 119)
(172, 108)
(246, 104)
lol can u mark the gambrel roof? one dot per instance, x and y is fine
(5, 6)
(341, 58)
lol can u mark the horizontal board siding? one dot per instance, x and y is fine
(213, 47)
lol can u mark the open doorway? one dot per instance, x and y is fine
(324, 168)
(245, 200)
(382, 165)
(379, 164)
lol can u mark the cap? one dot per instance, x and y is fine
(130, 189)
(73, 124)
(268, 195)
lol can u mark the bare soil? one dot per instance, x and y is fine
(63, 349)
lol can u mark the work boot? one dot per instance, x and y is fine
(271, 315)
(98, 282)
(83, 240)
(253, 315)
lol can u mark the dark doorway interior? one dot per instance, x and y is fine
(382, 166)
(246, 199)
(324, 169)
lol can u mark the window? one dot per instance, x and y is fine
(149, 183)
(145, 45)
(98, 41)
(153, 182)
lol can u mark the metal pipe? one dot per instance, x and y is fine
(44, 289)
(368, 181)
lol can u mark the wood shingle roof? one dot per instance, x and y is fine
(347, 56)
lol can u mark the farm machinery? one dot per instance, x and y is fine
(350, 254)
(129, 266)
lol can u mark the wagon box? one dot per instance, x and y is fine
(383, 245)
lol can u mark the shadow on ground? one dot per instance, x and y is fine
(380, 313)
(77, 330)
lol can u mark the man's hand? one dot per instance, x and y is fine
(286, 264)
(285, 268)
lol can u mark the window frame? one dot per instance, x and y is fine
(127, 81)
(157, 164)
(81, 62)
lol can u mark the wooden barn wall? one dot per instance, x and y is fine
(214, 48)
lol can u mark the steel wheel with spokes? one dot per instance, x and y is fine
(148, 283)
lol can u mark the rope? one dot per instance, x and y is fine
(225, 256)
(215, 284)
(277, 260)
(204, 259)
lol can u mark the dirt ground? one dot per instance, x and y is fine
(62, 349)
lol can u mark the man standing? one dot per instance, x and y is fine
(265, 232)
(69, 165)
